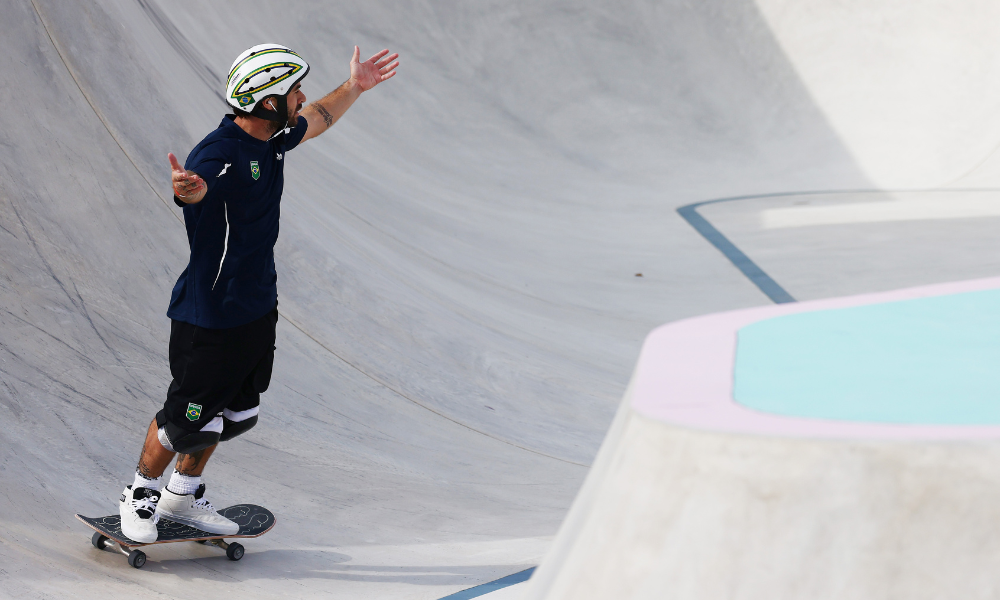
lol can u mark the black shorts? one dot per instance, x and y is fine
(217, 369)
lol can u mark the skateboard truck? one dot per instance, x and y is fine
(233, 550)
(137, 558)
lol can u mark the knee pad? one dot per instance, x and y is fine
(236, 422)
(175, 439)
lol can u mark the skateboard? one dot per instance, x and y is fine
(254, 521)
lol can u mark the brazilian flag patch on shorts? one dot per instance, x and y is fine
(193, 412)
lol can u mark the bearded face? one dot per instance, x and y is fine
(295, 100)
(293, 111)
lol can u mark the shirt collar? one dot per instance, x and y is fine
(229, 124)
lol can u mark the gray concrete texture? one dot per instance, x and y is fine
(679, 514)
(460, 311)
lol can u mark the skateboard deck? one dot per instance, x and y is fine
(254, 521)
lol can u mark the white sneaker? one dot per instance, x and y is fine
(138, 510)
(196, 511)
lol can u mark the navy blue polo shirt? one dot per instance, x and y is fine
(230, 279)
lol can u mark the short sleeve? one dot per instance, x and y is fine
(213, 163)
(294, 135)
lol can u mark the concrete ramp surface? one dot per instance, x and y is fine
(459, 261)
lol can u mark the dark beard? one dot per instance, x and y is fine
(293, 120)
(274, 127)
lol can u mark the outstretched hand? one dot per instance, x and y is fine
(187, 184)
(373, 71)
(323, 113)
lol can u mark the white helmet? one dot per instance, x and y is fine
(261, 72)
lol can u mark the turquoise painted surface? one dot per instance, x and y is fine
(925, 361)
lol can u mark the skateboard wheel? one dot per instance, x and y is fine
(234, 551)
(98, 540)
(136, 558)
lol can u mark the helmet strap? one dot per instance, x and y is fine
(280, 115)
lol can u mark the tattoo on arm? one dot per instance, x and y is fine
(327, 117)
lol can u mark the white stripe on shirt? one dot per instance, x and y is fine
(225, 245)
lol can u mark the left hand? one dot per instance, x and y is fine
(373, 71)
(188, 185)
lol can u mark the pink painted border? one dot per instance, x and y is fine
(685, 375)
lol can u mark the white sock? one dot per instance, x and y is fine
(183, 484)
(141, 481)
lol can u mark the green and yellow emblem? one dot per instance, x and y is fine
(193, 412)
(254, 170)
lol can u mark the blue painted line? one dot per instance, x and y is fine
(762, 280)
(486, 588)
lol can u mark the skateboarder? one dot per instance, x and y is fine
(223, 309)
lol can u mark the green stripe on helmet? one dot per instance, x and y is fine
(254, 55)
(295, 68)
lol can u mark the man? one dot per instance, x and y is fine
(223, 308)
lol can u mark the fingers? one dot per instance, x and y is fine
(357, 55)
(389, 69)
(190, 187)
(382, 63)
(378, 55)
(186, 184)
(174, 165)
